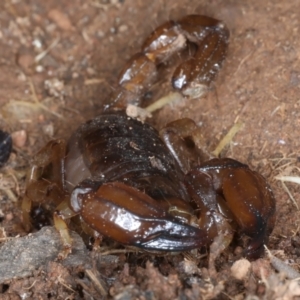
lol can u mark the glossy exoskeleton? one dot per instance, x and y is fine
(153, 190)
(192, 77)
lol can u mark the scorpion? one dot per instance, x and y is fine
(154, 190)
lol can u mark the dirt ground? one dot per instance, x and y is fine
(58, 62)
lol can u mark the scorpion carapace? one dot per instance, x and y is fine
(153, 190)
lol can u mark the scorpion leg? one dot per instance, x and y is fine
(185, 141)
(193, 76)
(131, 217)
(37, 186)
(45, 190)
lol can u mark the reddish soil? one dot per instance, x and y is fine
(87, 43)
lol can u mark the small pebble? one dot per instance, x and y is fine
(19, 138)
(188, 267)
(48, 129)
(9, 217)
(240, 269)
(60, 19)
(123, 28)
(25, 61)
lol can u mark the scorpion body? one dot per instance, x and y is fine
(153, 190)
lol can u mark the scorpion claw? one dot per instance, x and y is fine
(131, 217)
(166, 242)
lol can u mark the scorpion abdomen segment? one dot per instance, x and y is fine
(115, 147)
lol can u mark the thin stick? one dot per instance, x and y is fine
(290, 195)
(96, 281)
(44, 53)
(227, 138)
(294, 179)
(164, 101)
